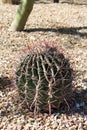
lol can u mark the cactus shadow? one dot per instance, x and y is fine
(77, 105)
(64, 30)
(43, 1)
(5, 82)
(74, 3)
(74, 31)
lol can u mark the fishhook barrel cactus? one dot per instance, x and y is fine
(44, 80)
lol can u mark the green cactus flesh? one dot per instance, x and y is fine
(44, 80)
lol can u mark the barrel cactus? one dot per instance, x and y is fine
(44, 80)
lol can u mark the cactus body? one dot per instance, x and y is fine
(44, 80)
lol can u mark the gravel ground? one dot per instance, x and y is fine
(61, 24)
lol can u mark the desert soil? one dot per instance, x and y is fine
(64, 25)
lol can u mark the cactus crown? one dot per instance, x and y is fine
(44, 80)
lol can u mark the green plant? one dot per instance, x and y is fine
(44, 80)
